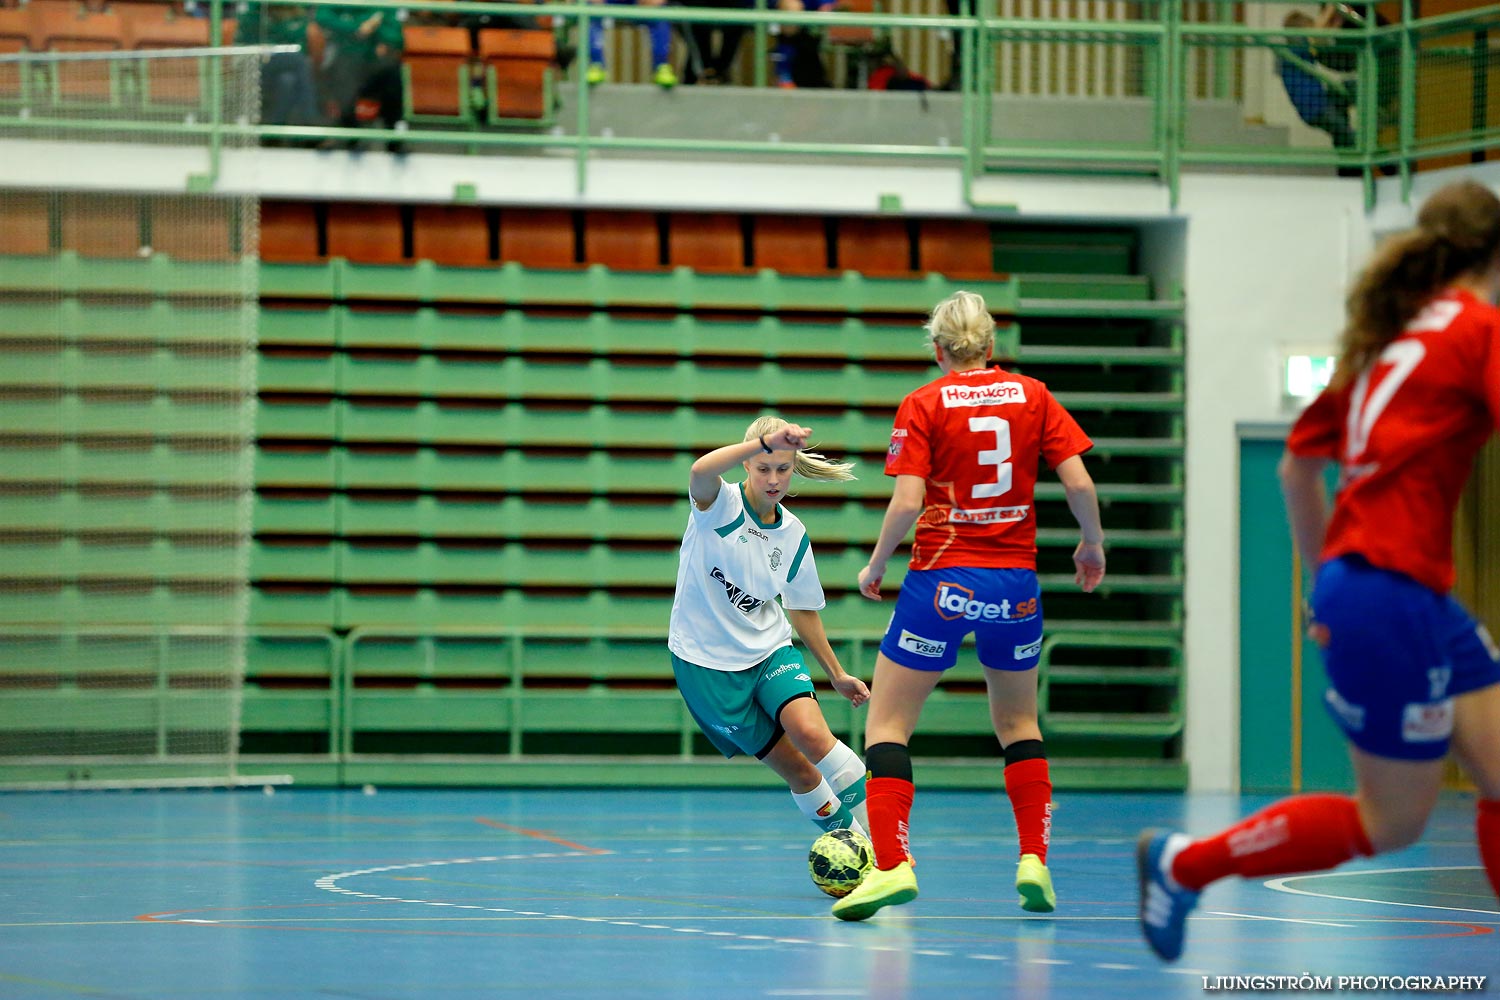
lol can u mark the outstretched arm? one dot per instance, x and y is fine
(1306, 503)
(809, 626)
(907, 501)
(710, 468)
(1083, 501)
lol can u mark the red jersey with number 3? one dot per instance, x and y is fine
(1405, 434)
(977, 437)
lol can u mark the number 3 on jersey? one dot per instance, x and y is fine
(998, 456)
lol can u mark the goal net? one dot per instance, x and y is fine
(127, 401)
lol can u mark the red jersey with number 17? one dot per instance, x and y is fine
(1405, 434)
(978, 437)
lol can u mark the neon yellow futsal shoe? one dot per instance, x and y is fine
(595, 74)
(879, 888)
(1035, 885)
(665, 77)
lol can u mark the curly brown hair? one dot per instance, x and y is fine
(1457, 233)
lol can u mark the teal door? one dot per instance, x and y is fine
(1287, 741)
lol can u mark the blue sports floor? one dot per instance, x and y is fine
(432, 894)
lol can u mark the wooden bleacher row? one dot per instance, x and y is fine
(64, 26)
(118, 226)
(463, 235)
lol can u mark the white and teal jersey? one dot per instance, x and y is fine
(729, 574)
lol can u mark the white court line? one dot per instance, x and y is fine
(1285, 920)
(1280, 885)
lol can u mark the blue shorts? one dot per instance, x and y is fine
(939, 607)
(1397, 655)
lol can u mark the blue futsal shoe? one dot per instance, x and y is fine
(1164, 904)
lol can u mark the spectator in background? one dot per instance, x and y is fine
(1319, 96)
(664, 76)
(956, 55)
(1344, 59)
(797, 60)
(288, 94)
(363, 62)
(707, 62)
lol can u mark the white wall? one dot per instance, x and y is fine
(1267, 263)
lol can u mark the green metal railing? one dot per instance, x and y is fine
(1433, 63)
(507, 687)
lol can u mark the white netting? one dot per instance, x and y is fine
(127, 400)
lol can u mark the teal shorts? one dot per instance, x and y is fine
(740, 710)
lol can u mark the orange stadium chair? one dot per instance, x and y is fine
(102, 225)
(288, 232)
(436, 66)
(791, 244)
(15, 36)
(622, 241)
(518, 74)
(365, 233)
(876, 247)
(707, 242)
(537, 237)
(25, 224)
(175, 84)
(955, 248)
(142, 10)
(859, 44)
(451, 235)
(195, 228)
(67, 28)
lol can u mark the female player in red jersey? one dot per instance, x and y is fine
(965, 453)
(1411, 676)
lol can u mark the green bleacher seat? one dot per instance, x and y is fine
(294, 561)
(292, 605)
(282, 370)
(478, 517)
(70, 558)
(139, 602)
(292, 418)
(295, 513)
(1072, 250)
(293, 466)
(305, 327)
(55, 508)
(132, 463)
(161, 416)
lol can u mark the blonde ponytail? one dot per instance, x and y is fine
(807, 464)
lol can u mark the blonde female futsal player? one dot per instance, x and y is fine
(965, 452)
(731, 643)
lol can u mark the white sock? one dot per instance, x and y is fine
(845, 774)
(826, 810)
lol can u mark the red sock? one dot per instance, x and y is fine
(1029, 785)
(1488, 828)
(888, 801)
(1305, 833)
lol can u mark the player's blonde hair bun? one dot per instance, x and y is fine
(962, 326)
